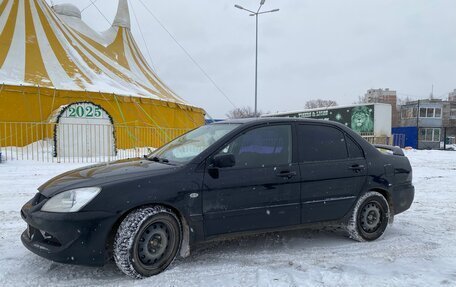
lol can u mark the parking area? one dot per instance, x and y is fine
(417, 250)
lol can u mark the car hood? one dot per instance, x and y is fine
(100, 174)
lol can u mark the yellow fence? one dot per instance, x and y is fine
(52, 142)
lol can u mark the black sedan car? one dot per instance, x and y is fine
(226, 179)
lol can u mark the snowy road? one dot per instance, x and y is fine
(419, 249)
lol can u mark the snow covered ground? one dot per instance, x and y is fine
(419, 249)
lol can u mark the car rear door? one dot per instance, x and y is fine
(333, 171)
(261, 191)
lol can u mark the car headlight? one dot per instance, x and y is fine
(71, 200)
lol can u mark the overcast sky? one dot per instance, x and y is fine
(330, 49)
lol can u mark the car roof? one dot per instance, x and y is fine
(249, 122)
(258, 121)
(269, 120)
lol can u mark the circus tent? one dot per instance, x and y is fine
(50, 58)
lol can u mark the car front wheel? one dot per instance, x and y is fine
(369, 218)
(147, 241)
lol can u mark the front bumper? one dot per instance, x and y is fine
(75, 238)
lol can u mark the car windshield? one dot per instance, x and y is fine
(185, 148)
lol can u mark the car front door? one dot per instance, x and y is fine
(260, 191)
(333, 172)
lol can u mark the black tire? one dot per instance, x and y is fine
(147, 241)
(369, 217)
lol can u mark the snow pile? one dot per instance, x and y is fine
(418, 250)
(451, 147)
(39, 150)
(43, 151)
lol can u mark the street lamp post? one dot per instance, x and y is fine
(256, 14)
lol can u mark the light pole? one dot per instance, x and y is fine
(256, 14)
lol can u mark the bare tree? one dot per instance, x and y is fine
(362, 100)
(319, 103)
(403, 101)
(242, 113)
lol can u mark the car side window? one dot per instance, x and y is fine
(354, 151)
(321, 143)
(264, 146)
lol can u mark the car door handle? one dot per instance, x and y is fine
(356, 167)
(287, 174)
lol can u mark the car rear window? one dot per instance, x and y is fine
(321, 143)
(354, 151)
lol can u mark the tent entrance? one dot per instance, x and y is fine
(84, 130)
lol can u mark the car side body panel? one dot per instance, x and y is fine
(329, 189)
(242, 198)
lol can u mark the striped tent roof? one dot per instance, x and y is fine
(52, 47)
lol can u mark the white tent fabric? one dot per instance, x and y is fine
(53, 47)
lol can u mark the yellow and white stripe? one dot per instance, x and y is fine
(55, 70)
(15, 58)
(5, 10)
(42, 48)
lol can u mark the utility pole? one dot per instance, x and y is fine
(418, 125)
(444, 138)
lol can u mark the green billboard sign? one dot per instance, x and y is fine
(358, 118)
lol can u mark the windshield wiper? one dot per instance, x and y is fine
(156, 159)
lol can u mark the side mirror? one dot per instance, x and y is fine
(224, 160)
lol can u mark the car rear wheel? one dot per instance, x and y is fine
(369, 218)
(147, 241)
